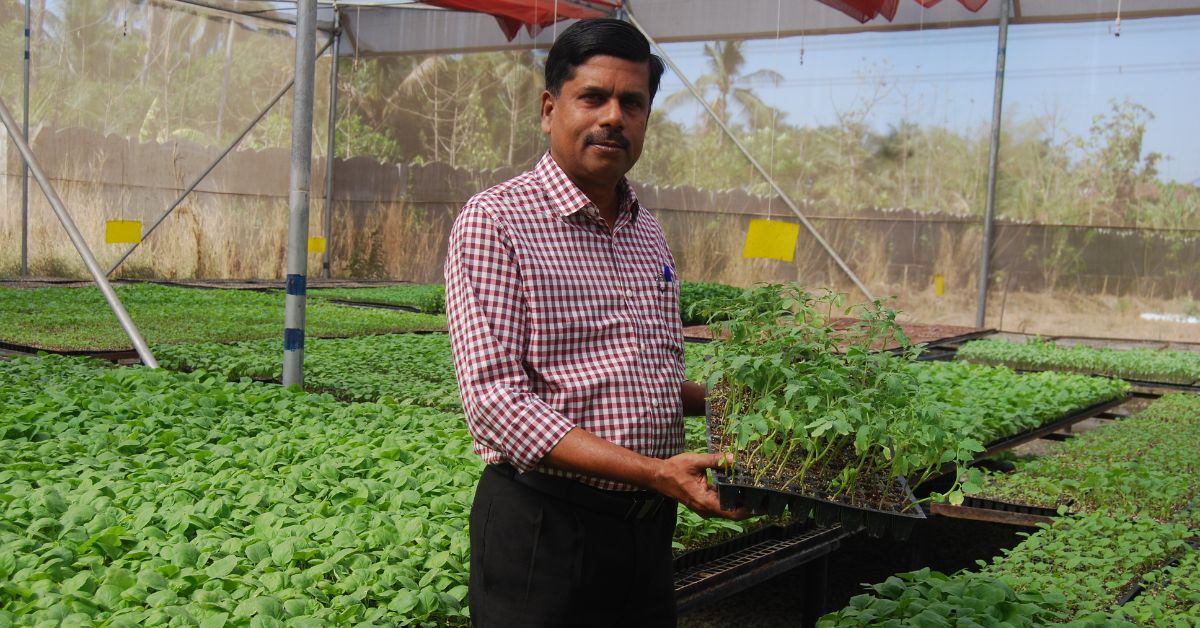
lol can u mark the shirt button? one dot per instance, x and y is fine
(629, 294)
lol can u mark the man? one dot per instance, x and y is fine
(563, 306)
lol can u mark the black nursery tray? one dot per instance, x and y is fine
(739, 491)
(766, 499)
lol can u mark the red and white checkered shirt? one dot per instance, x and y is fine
(557, 322)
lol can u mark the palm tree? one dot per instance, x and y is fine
(516, 75)
(729, 86)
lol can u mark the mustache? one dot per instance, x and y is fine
(613, 136)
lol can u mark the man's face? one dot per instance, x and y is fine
(598, 121)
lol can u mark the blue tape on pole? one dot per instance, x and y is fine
(296, 285)
(293, 339)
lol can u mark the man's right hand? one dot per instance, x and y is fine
(684, 478)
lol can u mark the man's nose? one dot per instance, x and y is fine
(611, 114)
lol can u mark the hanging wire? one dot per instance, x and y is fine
(774, 115)
(357, 22)
(1117, 24)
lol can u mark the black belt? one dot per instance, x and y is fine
(627, 505)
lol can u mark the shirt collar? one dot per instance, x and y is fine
(567, 199)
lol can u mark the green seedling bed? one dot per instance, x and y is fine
(1009, 442)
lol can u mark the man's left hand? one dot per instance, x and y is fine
(684, 478)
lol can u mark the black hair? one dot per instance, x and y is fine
(601, 36)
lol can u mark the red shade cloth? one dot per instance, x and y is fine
(532, 14)
(535, 15)
(866, 10)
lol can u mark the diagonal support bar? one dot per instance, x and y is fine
(212, 166)
(68, 224)
(754, 162)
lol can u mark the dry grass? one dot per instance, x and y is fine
(218, 234)
(208, 236)
(1057, 314)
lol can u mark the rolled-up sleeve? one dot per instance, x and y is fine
(489, 332)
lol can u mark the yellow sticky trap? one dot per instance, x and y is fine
(772, 239)
(939, 285)
(316, 245)
(122, 231)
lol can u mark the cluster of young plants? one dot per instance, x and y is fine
(1169, 596)
(1146, 465)
(427, 298)
(79, 318)
(985, 402)
(699, 301)
(131, 497)
(931, 598)
(991, 403)
(407, 368)
(1091, 560)
(810, 408)
(413, 369)
(1074, 571)
(1175, 367)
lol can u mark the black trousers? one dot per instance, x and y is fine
(539, 560)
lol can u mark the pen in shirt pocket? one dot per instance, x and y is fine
(665, 277)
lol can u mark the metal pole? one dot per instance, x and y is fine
(297, 259)
(228, 149)
(329, 152)
(89, 260)
(985, 252)
(754, 162)
(25, 168)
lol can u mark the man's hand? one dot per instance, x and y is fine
(681, 477)
(684, 479)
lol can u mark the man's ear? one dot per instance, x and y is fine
(547, 110)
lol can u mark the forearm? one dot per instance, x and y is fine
(582, 452)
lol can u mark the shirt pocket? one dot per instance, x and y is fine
(664, 329)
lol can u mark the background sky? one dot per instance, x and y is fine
(946, 77)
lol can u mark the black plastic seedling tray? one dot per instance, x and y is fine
(738, 491)
(759, 499)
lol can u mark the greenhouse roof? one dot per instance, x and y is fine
(382, 27)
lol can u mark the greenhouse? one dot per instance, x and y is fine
(928, 268)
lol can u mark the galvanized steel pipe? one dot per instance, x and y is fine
(68, 224)
(298, 196)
